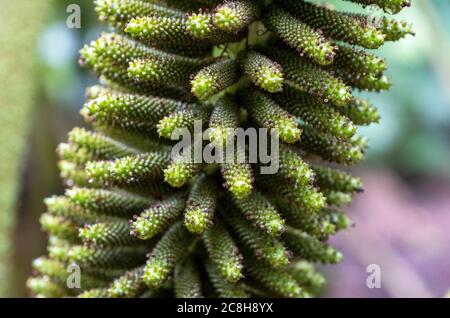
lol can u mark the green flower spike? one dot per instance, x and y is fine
(395, 30)
(338, 199)
(144, 214)
(361, 112)
(173, 69)
(292, 168)
(57, 272)
(183, 168)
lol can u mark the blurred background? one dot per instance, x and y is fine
(402, 220)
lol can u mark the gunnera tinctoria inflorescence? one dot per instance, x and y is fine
(140, 223)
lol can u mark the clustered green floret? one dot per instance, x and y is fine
(140, 222)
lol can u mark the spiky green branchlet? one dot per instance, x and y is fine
(129, 170)
(110, 202)
(167, 253)
(110, 56)
(119, 12)
(261, 214)
(310, 248)
(108, 234)
(129, 111)
(97, 145)
(264, 246)
(44, 287)
(335, 24)
(168, 194)
(268, 114)
(201, 205)
(214, 78)
(187, 280)
(359, 61)
(184, 118)
(395, 30)
(157, 218)
(195, 29)
(277, 280)
(178, 174)
(361, 112)
(223, 288)
(128, 285)
(224, 121)
(223, 252)
(233, 16)
(293, 168)
(300, 36)
(110, 258)
(171, 69)
(333, 179)
(306, 197)
(238, 175)
(310, 78)
(262, 71)
(330, 148)
(316, 114)
(58, 273)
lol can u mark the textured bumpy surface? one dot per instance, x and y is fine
(141, 222)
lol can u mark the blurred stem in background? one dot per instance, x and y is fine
(438, 57)
(21, 23)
